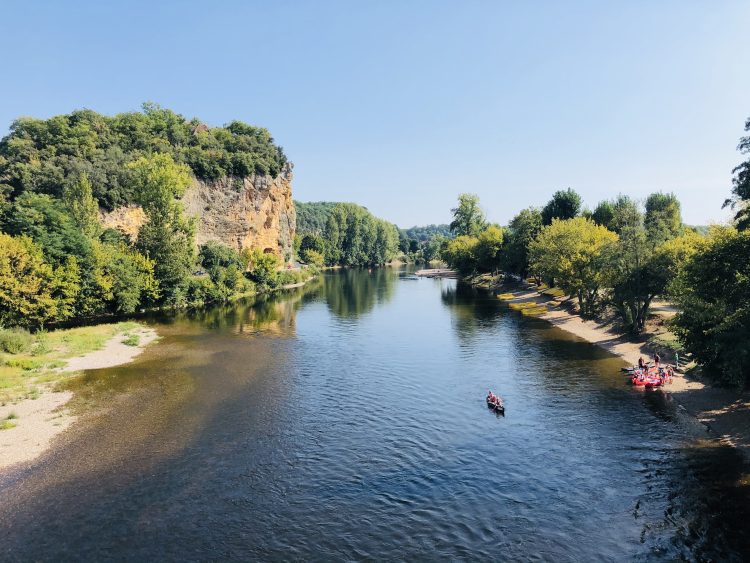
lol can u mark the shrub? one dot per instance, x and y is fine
(15, 340)
(131, 340)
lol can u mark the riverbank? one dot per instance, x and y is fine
(723, 411)
(32, 410)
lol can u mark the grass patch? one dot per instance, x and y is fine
(667, 341)
(11, 416)
(522, 305)
(132, 340)
(553, 292)
(534, 311)
(7, 424)
(21, 372)
(26, 364)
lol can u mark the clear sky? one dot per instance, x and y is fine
(400, 105)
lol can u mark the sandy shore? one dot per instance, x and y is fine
(724, 411)
(114, 353)
(38, 421)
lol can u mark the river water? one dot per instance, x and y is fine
(347, 421)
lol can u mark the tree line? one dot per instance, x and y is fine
(352, 236)
(622, 255)
(56, 261)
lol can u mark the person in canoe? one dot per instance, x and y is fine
(641, 363)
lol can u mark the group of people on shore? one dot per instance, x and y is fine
(653, 370)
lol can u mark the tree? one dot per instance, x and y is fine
(521, 231)
(167, 237)
(636, 277)
(32, 292)
(81, 205)
(604, 214)
(433, 248)
(663, 217)
(312, 216)
(565, 204)
(617, 214)
(574, 252)
(489, 248)
(132, 279)
(355, 237)
(468, 217)
(263, 269)
(312, 248)
(714, 303)
(460, 254)
(740, 199)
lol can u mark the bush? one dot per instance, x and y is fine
(131, 340)
(313, 258)
(15, 340)
(264, 270)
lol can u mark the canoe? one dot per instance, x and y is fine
(499, 406)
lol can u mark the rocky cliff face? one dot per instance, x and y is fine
(254, 212)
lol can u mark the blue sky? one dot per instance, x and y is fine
(401, 105)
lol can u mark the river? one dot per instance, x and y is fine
(347, 421)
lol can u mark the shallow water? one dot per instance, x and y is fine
(347, 421)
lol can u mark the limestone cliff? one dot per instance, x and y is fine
(254, 212)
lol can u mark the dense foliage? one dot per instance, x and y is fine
(740, 199)
(714, 302)
(521, 231)
(312, 217)
(46, 155)
(56, 262)
(355, 237)
(468, 217)
(428, 232)
(573, 253)
(565, 204)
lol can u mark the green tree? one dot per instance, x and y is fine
(468, 217)
(313, 216)
(574, 253)
(133, 283)
(489, 249)
(565, 204)
(354, 237)
(81, 205)
(33, 293)
(636, 278)
(740, 199)
(604, 214)
(460, 254)
(264, 269)
(714, 302)
(312, 243)
(167, 236)
(663, 217)
(521, 231)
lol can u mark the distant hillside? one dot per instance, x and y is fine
(426, 233)
(312, 216)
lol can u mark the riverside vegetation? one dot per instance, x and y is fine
(622, 255)
(59, 265)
